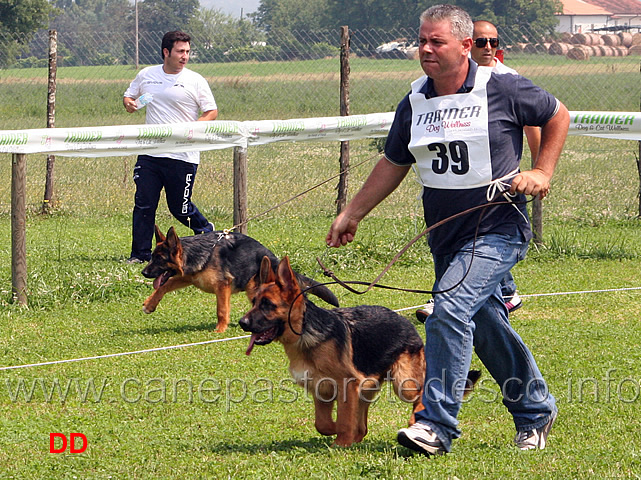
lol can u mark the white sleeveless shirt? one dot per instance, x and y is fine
(450, 137)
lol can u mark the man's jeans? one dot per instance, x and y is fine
(472, 316)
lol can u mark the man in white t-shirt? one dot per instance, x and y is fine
(178, 95)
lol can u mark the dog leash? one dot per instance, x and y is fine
(346, 284)
(374, 283)
(302, 193)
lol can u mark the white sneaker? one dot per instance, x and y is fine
(533, 439)
(514, 302)
(426, 311)
(420, 438)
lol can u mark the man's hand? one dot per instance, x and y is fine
(342, 231)
(130, 104)
(531, 182)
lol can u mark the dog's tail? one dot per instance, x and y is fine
(472, 378)
(315, 288)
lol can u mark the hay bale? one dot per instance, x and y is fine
(606, 51)
(626, 39)
(634, 50)
(636, 39)
(559, 48)
(596, 39)
(580, 39)
(611, 40)
(580, 52)
(536, 48)
(621, 51)
(566, 37)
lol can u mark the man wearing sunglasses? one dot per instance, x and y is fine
(485, 43)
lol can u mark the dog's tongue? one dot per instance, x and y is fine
(157, 281)
(252, 341)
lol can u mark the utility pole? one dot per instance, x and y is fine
(137, 52)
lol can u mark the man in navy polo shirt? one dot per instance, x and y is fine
(462, 125)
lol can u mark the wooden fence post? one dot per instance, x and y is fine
(341, 199)
(19, 228)
(240, 188)
(51, 116)
(639, 171)
(537, 215)
(537, 218)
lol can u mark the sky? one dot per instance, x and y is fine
(232, 7)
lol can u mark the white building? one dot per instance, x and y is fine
(583, 16)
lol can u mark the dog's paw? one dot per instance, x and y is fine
(147, 309)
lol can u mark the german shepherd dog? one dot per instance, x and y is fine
(339, 356)
(215, 262)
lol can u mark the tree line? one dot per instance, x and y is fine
(278, 27)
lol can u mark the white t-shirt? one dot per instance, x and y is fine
(502, 68)
(177, 98)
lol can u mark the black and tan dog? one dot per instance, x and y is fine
(216, 262)
(340, 356)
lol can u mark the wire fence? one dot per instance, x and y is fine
(297, 76)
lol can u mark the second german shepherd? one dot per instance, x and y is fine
(340, 356)
(215, 262)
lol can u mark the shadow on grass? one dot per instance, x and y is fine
(312, 445)
(205, 326)
(232, 331)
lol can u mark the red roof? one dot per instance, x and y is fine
(618, 6)
(581, 7)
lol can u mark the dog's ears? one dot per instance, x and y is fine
(172, 238)
(159, 235)
(286, 275)
(266, 272)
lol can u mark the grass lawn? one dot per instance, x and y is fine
(210, 411)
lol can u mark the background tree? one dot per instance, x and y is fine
(292, 24)
(518, 19)
(156, 17)
(216, 35)
(111, 19)
(19, 20)
(369, 14)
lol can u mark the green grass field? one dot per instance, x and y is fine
(88, 96)
(210, 411)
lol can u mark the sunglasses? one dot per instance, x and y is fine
(481, 42)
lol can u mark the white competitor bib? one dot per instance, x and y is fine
(450, 137)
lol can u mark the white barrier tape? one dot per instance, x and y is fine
(619, 125)
(180, 137)
(157, 349)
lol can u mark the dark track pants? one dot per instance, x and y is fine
(151, 175)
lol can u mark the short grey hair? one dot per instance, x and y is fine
(460, 20)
